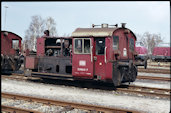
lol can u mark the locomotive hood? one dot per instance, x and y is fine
(95, 32)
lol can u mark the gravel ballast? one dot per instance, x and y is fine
(39, 106)
(83, 95)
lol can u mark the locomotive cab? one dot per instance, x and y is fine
(53, 58)
(110, 57)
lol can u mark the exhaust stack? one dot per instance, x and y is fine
(123, 25)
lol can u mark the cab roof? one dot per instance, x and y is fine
(95, 32)
(11, 33)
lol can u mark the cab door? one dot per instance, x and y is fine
(99, 57)
(82, 59)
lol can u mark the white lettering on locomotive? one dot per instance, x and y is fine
(82, 69)
(88, 73)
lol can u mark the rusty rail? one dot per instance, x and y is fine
(10, 109)
(21, 77)
(154, 78)
(157, 65)
(133, 89)
(150, 88)
(151, 70)
(71, 104)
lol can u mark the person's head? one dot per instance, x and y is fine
(66, 43)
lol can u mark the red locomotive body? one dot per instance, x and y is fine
(141, 51)
(10, 51)
(161, 53)
(106, 54)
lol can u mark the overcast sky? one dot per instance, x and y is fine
(140, 17)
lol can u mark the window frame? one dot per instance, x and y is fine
(131, 46)
(96, 51)
(14, 43)
(117, 44)
(83, 52)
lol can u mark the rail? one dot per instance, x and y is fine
(21, 76)
(160, 92)
(71, 104)
(151, 70)
(159, 65)
(154, 78)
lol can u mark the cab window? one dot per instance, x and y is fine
(15, 44)
(78, 46)
(131, 44)
(115, 42)
(86, 45)
(82, 46)
(100, 46)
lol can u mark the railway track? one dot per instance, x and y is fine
(152, 70)
(158, 65)
(72, 105)
(154, 78)
(164, 93)
(155, 92)
(21, 77)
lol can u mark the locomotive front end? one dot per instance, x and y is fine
(124, 56)
(111, 55)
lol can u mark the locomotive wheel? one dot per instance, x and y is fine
(19, 62)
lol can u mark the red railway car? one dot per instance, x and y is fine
(11, 58)
(161, 52)
(106, 54)
(141, 51)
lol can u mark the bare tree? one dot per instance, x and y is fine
(27, 43)
(51, 26)
(138, 36)
(150, 40)
(37, 28)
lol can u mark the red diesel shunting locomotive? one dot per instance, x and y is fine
(141, 51)
(162, 52)
(106, 54)
(11, 59)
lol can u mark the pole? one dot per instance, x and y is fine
(5, 16)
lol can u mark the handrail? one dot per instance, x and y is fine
(105, 55)
(91, 53)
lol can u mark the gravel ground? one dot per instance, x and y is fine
(153, 74)
(152, 83)
(84, 95)
(39, 106)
